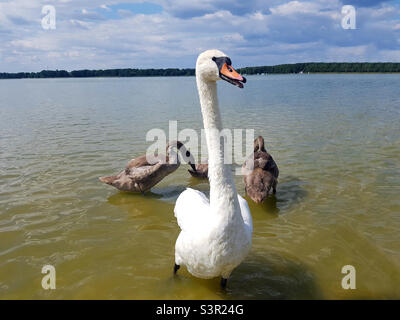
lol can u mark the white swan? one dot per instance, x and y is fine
(216, 234)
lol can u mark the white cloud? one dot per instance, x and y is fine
(104, 6)
(295, 7)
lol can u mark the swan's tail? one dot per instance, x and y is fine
(109, 180)
(259, 144)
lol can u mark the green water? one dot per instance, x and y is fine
(335, 139)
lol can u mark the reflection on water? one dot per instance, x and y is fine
(272, 277)
(269, 205)
(336, 203)
(292, 192)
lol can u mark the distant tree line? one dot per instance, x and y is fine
(313, 67)
(100, 73)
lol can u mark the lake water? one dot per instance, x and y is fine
(335, 138)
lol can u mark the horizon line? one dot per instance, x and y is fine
(177, 68)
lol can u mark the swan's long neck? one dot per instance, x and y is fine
(223, 195)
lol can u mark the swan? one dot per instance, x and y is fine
(140, 175)
(216, 234)
(260, 173)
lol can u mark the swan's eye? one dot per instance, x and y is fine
(187, 154)
(214, 58)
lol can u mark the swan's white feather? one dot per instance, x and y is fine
(207, 245)
(246, 215)
(191, 207)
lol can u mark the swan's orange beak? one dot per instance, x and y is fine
(228, 73)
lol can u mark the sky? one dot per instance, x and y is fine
(91, 34)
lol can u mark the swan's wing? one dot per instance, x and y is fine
(143, 172)
(191, 208)
(145, 161)
(138, 162)
(249, 163)
(258, 159)
(265, 161)
(246, 215)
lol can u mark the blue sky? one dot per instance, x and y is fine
(171, 33)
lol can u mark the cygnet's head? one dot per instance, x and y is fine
(185, 154)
